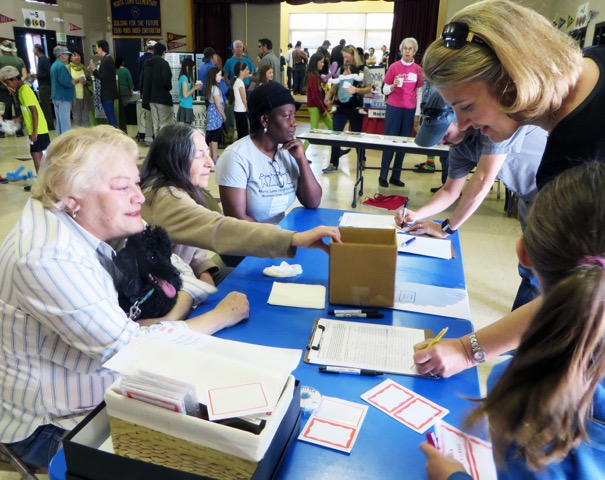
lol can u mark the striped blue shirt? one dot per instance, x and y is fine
(60, 321)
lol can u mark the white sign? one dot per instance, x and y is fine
(34, 18)
(582, 16)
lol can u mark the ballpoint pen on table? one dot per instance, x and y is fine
(349, 370)
(406, 242)
(359, 310)
(438, 337)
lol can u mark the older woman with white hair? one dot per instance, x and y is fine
(59, 314)
(403, 88)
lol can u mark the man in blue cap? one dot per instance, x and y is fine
(62, 90)
(514, 161)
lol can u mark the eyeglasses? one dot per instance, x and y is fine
(277, 174)
(457, 34)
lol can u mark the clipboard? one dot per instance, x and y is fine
(382, 348)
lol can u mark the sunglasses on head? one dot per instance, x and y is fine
(457, 34)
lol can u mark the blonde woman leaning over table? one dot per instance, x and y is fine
(59, 314)
(500, 66)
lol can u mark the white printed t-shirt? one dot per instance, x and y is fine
(270, 184)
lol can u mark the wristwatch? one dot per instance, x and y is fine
(445, 226)
(477, 352)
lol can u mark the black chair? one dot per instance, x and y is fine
(10, 460)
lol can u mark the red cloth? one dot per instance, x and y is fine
(386, 202)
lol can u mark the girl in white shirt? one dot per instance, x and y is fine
(241, 104)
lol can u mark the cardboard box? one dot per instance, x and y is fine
(362, 267)
(86, 462)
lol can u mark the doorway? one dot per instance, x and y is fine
(26, 38)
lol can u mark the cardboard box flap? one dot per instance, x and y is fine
(363, 266)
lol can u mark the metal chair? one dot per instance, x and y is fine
(9, 459)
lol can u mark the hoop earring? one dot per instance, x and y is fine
(74, 213)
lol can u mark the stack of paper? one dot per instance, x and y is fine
(231, 378)
(475, 454)
(421, 245)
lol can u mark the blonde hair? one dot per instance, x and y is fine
(73, 161)
(351, 50)
(529, 65)
(542, 403)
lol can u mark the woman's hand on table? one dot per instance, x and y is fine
(233, 308)
(444, 359)
(314, 238)
(426, 227)
(230, 310)
(439, 466)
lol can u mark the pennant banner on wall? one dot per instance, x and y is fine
(570, 20)
(73, 27)
(5, 19)
(174, 36)
(173, 45)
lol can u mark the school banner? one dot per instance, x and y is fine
(136, 18)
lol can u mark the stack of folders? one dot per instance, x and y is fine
(231, 383)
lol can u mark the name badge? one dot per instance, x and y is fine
(278, 205)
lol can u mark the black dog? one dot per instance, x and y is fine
(150, 283)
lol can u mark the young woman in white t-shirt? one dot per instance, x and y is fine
(241, 103)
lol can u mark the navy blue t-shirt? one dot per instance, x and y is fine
(580, 136)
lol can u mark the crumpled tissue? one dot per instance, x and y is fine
(283, 270)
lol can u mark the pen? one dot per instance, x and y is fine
(351, 371)
(361, 310)
(405, 208)
(431, 437)
(359, 315)
(438, 337)
(408, 241)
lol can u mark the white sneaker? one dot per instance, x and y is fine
(333, 109)
(362, 111)
(330, 169)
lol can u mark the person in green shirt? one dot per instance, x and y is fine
(125, 88)
(31, 113)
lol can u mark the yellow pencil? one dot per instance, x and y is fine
(438, 337)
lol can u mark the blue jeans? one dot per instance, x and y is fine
(63, 114)
(110, 112)
(40, 447)
(399, 122)
(528, 290)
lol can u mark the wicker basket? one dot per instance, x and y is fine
(152, 434)
(142, 443)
